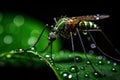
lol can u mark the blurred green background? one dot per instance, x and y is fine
(19, 31)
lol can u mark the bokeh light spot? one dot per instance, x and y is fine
(18, 20)
(8, 39)
(32, 40)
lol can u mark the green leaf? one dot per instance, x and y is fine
(63, 65)
(18, 30)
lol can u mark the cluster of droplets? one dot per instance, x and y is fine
(69, 74)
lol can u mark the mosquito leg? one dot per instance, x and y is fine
(40, 36)
(84, 49)
(51, 49)
(46, 47)
(101, 49)
(72, 43)
(108, 40)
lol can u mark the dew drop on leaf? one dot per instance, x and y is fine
(78, 58)
(114, 69)
(88, 62)
(74, 69)
(82, 68)
(70, 76)
(65, 75)
(100, 62)
(86, 75)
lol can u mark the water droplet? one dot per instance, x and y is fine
(20, 51)
(84, 33)
(8, 39)
(88, 62)
(113, 69)
(100, 57)
(114, 64)
(86, 75)
(1, 29)
(65, 75)
(78, 59)
(32, 48)
(47, 56)
(108, 62)
(74, 69)
(58, 68)
(92, 45)
(100, 62)
(70, 76)
(98, 75)
(32, 40)
(82, 68)
(18, 20)
(8, 56)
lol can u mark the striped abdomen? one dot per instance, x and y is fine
(87, 25)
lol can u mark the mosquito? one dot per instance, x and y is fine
(66, 27)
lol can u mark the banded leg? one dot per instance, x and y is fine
(72, 43)
(108, 42)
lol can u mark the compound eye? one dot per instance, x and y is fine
(51, 36)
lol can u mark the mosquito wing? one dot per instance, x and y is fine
(91, 17)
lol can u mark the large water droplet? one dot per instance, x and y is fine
(18, 20)
(8, 39)
(74, 69)
(65, 75)
(78, 59)
(70, 76)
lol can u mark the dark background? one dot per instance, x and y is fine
(45, 11)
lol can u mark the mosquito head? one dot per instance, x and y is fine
(52, 36)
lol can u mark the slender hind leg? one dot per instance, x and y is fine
(84, 49)
(72, 43)
(99, 47)
(81, 41)
(34, 45)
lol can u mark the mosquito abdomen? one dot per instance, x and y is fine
(87, 25)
